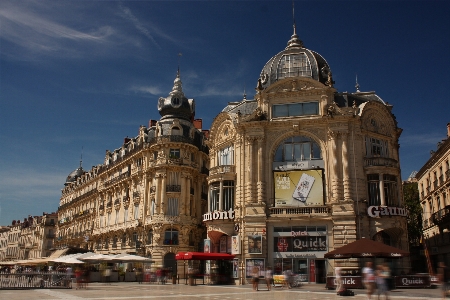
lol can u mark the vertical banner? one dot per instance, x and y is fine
(223, 244)
(235, 245)
(207, 246)
(312, 270)
(236, 268)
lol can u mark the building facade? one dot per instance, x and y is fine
(434, 188)
(31, 238)
(302, 169)
(148, 196)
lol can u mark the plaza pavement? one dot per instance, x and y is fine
(133, 290)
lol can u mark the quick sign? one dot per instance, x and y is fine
(219, 215)
(377, 211)
(300, 244)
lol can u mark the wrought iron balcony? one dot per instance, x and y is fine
(313, 211)
(380, 161)
(173, 188)
(441, 216)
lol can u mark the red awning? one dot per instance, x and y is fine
(202, 256)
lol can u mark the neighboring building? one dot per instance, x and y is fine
(32, 238)
(434, 187)
(303, 169)
(149, 195)
(3, 242)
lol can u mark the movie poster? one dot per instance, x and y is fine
(235, 245)
(298, 188)
(255, 244)
(207, 246)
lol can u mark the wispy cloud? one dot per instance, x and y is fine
(147, 90)
(148, 29)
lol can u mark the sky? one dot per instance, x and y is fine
(77, 77)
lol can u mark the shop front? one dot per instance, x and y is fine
(300, 249)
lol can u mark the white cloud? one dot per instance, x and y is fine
(425, 139)
(153, 90)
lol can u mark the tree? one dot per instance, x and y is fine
(414, 219)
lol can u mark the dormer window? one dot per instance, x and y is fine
(176, 131)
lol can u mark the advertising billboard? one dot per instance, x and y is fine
(298, 188)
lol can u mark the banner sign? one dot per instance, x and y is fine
(300, 244)
(377, 211)
(298, 188)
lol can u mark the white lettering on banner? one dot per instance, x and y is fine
(299, 233)
(219, 215)
(347, 281)
(407, 281)
(396, 254)
(376, 211)
(301, 244)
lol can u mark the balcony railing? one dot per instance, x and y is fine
(222, 169)
(380, 161)
(318, 210)
(441, 216)
(173, 188)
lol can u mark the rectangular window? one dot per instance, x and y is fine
(228, 195)
(374, 189)
(153, 207)
(376, 147)
(226, 156)
(390, 190)
(295, 109)
(109, 219)
(116, 221)
(214, 196)
(172, 207)
(174, 153)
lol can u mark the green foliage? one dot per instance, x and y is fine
(412, 203)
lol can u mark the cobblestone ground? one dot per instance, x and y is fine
(132, 291)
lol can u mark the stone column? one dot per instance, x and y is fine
(250, 169)
(221, 194)
(332, 137)
(260, 169)
(382, 198)
(345, 167)
(187, 206)
(163, 192)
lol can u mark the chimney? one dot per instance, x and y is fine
(198, 123)
(206, 133)
(448, 129)
(151, 123)
(126, 140)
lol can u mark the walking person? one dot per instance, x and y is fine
(369, 279)
(339, 286)
(255, 278)
(443, 278)
(269, 278)
(380, 278)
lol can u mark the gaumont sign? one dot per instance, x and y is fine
(378, 211)
(219, 215)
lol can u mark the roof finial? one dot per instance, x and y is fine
(357, 84)
(81, 159)
(179, 58)
(245, 94)
(294, 41)
(177, 84)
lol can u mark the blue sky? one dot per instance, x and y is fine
(79, 76)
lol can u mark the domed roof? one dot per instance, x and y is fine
(296, 61)
(74, 175)
(176, 105)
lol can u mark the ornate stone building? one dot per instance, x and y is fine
(434, 188)
(148, 196)
(302, 169)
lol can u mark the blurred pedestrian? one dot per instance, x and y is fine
(269, 277)
(369, 279)
(443, 275)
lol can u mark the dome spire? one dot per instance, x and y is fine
(177, 84)
(294, 41)
(357, 84)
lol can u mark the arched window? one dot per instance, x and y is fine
(297, 148)
(176, 131)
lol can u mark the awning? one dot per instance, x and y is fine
(203, 256)
(59, 252)
(365, 248)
